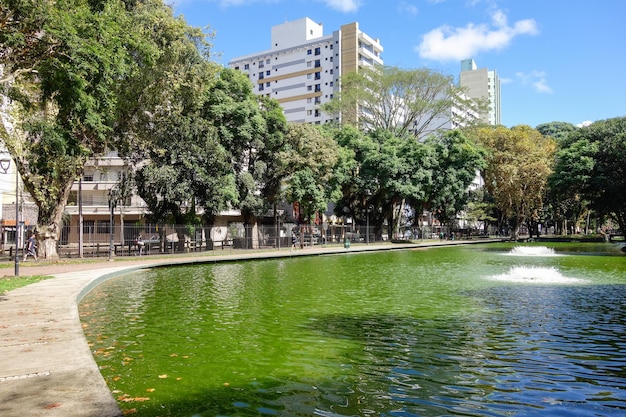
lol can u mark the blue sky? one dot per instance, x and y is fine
(558, 60)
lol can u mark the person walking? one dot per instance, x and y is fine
(140, 244)
(31, 247)
(294, 240)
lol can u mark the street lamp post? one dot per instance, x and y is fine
(5, 164)
(113, 196)
(367, 227)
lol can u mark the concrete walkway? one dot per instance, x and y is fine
(46, 366)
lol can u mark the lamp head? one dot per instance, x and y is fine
(5, 164)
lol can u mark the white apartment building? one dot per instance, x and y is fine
(301, 70)
(482, 84)
(456, 116)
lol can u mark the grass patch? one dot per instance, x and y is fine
(10, 283)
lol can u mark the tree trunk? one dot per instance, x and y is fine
(519, 221)
(180, 233)
(47, 237)
(250, 223)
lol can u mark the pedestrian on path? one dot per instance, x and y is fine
(140, 244)
(31, 247)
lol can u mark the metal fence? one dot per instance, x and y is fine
(103, 240)
(100, 239)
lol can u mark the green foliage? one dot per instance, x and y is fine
(251, 130)
(458, 162)
(308, 163)
(591, 165)
(400, 101)
(62, 62)
(519, 162)
(556, 130)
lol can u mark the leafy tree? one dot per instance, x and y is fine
(593, 161)
(519, 162)
(251, 130)
(384, 171)
(190, 169)
(400, 101)
(459, 161)
(574, 162)
(182, 165)
(62, 63)
(23, 41)
(309, 163)
(480, 209)
(556, 130)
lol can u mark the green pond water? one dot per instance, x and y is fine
(478, 330)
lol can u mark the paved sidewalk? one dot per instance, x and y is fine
(46, 366)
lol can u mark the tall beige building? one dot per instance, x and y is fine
(301, 70)
(482, 84)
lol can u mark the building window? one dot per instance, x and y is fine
(309, 88)
(267, 84)
(267, 61)
(268, 72)
(261, 64)
(308, 76)
(308, 100)
(318, 75)
(309, 112)
(88, 178)
(89, 226)
(318, 87)
(103, 226)
(261, 75)
(318, 51)
(309, 64)
(246, 66)
(260, 87)
(318, 63)
(309, 51)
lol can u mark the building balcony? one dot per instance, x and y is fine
(368, 55)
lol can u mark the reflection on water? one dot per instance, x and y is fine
(416, 333)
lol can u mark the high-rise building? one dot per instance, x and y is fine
(482, 84)
(302, 68)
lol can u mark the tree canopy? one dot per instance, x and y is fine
(62, 62)
(591, 164)
(251, 129)
(519, 161)
(556, 130)
(401, 101)
(458, 163)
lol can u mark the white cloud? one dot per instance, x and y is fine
(407, 8)
(447, 43)
(584, 124)
(345, 6)
(536, 79)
